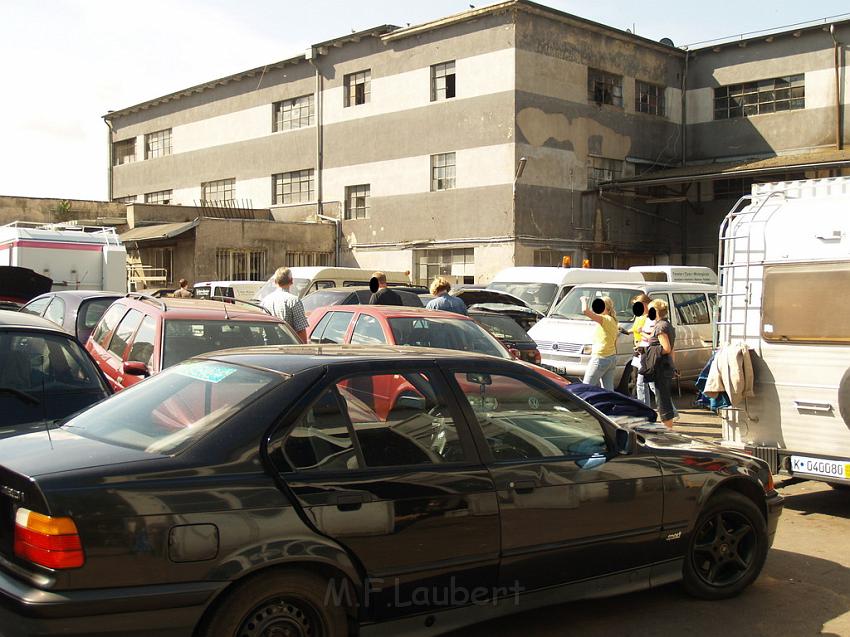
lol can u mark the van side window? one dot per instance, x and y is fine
(692, 308)
(792, 294)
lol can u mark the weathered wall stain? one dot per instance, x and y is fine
(539, 127)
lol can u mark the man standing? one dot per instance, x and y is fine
(383, 295)
(183, 291)
(443, 300)
(285, 305)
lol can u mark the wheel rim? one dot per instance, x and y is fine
(724, 548)
(282, 617)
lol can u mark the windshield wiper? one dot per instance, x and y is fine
(24, 396)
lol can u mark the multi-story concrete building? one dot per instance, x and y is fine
(512, 134)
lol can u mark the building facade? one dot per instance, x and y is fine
(512, 134)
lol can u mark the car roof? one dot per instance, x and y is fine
(396, 311)
(80, 294)
(8, 318)
(658, 286)
(294, 358)
(171, 308)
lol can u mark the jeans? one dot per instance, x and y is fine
(645, 390)
(601, 368)
(664, 390)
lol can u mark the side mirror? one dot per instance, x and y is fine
(626, 441)
(135, 368)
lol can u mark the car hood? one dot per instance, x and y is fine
(22, 284)
(477, 297)
(59, 450)
(656, 436)
(563, 331)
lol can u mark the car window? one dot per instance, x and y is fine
(56, 311)
(692, 309)
(185, 338)
(321, 285)
(45, 377)
(319, 441)
(368, 331)
(348, 284)
(400, 419)
(36, 307)
(125, 329)
(202, 291)
(521, 421)
(143, 343)
(448, 333)
(335, 325)
(322, 298)
(170, 411)
(108, 322)
(90, 312)
(537, 295)
(502, 327)
(570, 307)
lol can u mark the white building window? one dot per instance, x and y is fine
(357, 87)
(124, 152)
(218, 192)
(158, 144)
(298, 186)
(294, 113)
(458, 264)
(232, 264)
(125, 199)
(442, 81)
(649, 98)
(357, 201)
(442, 171)
(757, 98)
(604, 88)
(160, 196)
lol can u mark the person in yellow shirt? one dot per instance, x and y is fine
(603, 357)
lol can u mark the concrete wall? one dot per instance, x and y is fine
(51, 210)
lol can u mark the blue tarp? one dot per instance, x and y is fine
(612, 403)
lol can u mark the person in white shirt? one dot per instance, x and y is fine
(285, 305)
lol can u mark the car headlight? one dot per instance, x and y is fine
(587, 350)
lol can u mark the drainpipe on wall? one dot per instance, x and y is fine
(839, 137)
(685, 108)
(109, 134)
(337, 225)
(312, 56)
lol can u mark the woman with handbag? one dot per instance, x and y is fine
(663, 336)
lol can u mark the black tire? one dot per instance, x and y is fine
(727, 548)
(295, 602)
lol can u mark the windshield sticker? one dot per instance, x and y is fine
(209, 372)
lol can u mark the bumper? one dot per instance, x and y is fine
(775, 504)
(164, 610)
(565, 365)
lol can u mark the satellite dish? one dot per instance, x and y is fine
(667, 42)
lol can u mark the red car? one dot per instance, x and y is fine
(139, 336)
(395, 325)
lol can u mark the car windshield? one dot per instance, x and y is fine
(570, 307)
(169, 411)
(502, 327)
(321, 298)
(447, 333)
(537, 295)
(185, 338)
(44, 377)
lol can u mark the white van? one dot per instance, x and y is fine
(677, 273)
(310, 279)
(243, 290)
(564, 337)
(785, 270)
(543, 287)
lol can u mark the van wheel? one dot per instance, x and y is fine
(291, 603)
(844, 398)
(727, 549)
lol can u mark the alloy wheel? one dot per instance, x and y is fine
(724, 548)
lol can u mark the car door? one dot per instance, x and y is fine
(693, 332)
(143, 348)
(332, 328)
(113, 359)
(405, 492)
(571, 506)
(99, 341)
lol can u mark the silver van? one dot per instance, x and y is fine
(564, 337)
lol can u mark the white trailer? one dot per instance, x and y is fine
(75, 257)
(784, 269)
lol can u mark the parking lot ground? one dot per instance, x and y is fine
(803, 590)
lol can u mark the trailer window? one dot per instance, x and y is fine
(692, 309)
(793, 296)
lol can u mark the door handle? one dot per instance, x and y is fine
(803, 405)
(349, 501)
(523, 486)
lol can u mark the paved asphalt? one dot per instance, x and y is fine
(803, 590)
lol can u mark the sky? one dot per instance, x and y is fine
(66, 63)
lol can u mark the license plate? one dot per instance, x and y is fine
(821, 467)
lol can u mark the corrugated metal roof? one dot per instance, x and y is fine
(158, 231)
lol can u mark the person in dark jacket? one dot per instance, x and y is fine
(663, 335)
(382, 295)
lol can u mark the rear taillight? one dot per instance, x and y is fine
(536, 356)
(770, 485)
(515, 353)
(47, 541)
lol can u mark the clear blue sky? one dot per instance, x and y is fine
(67, 62)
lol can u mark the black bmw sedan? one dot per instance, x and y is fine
(337, 490)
